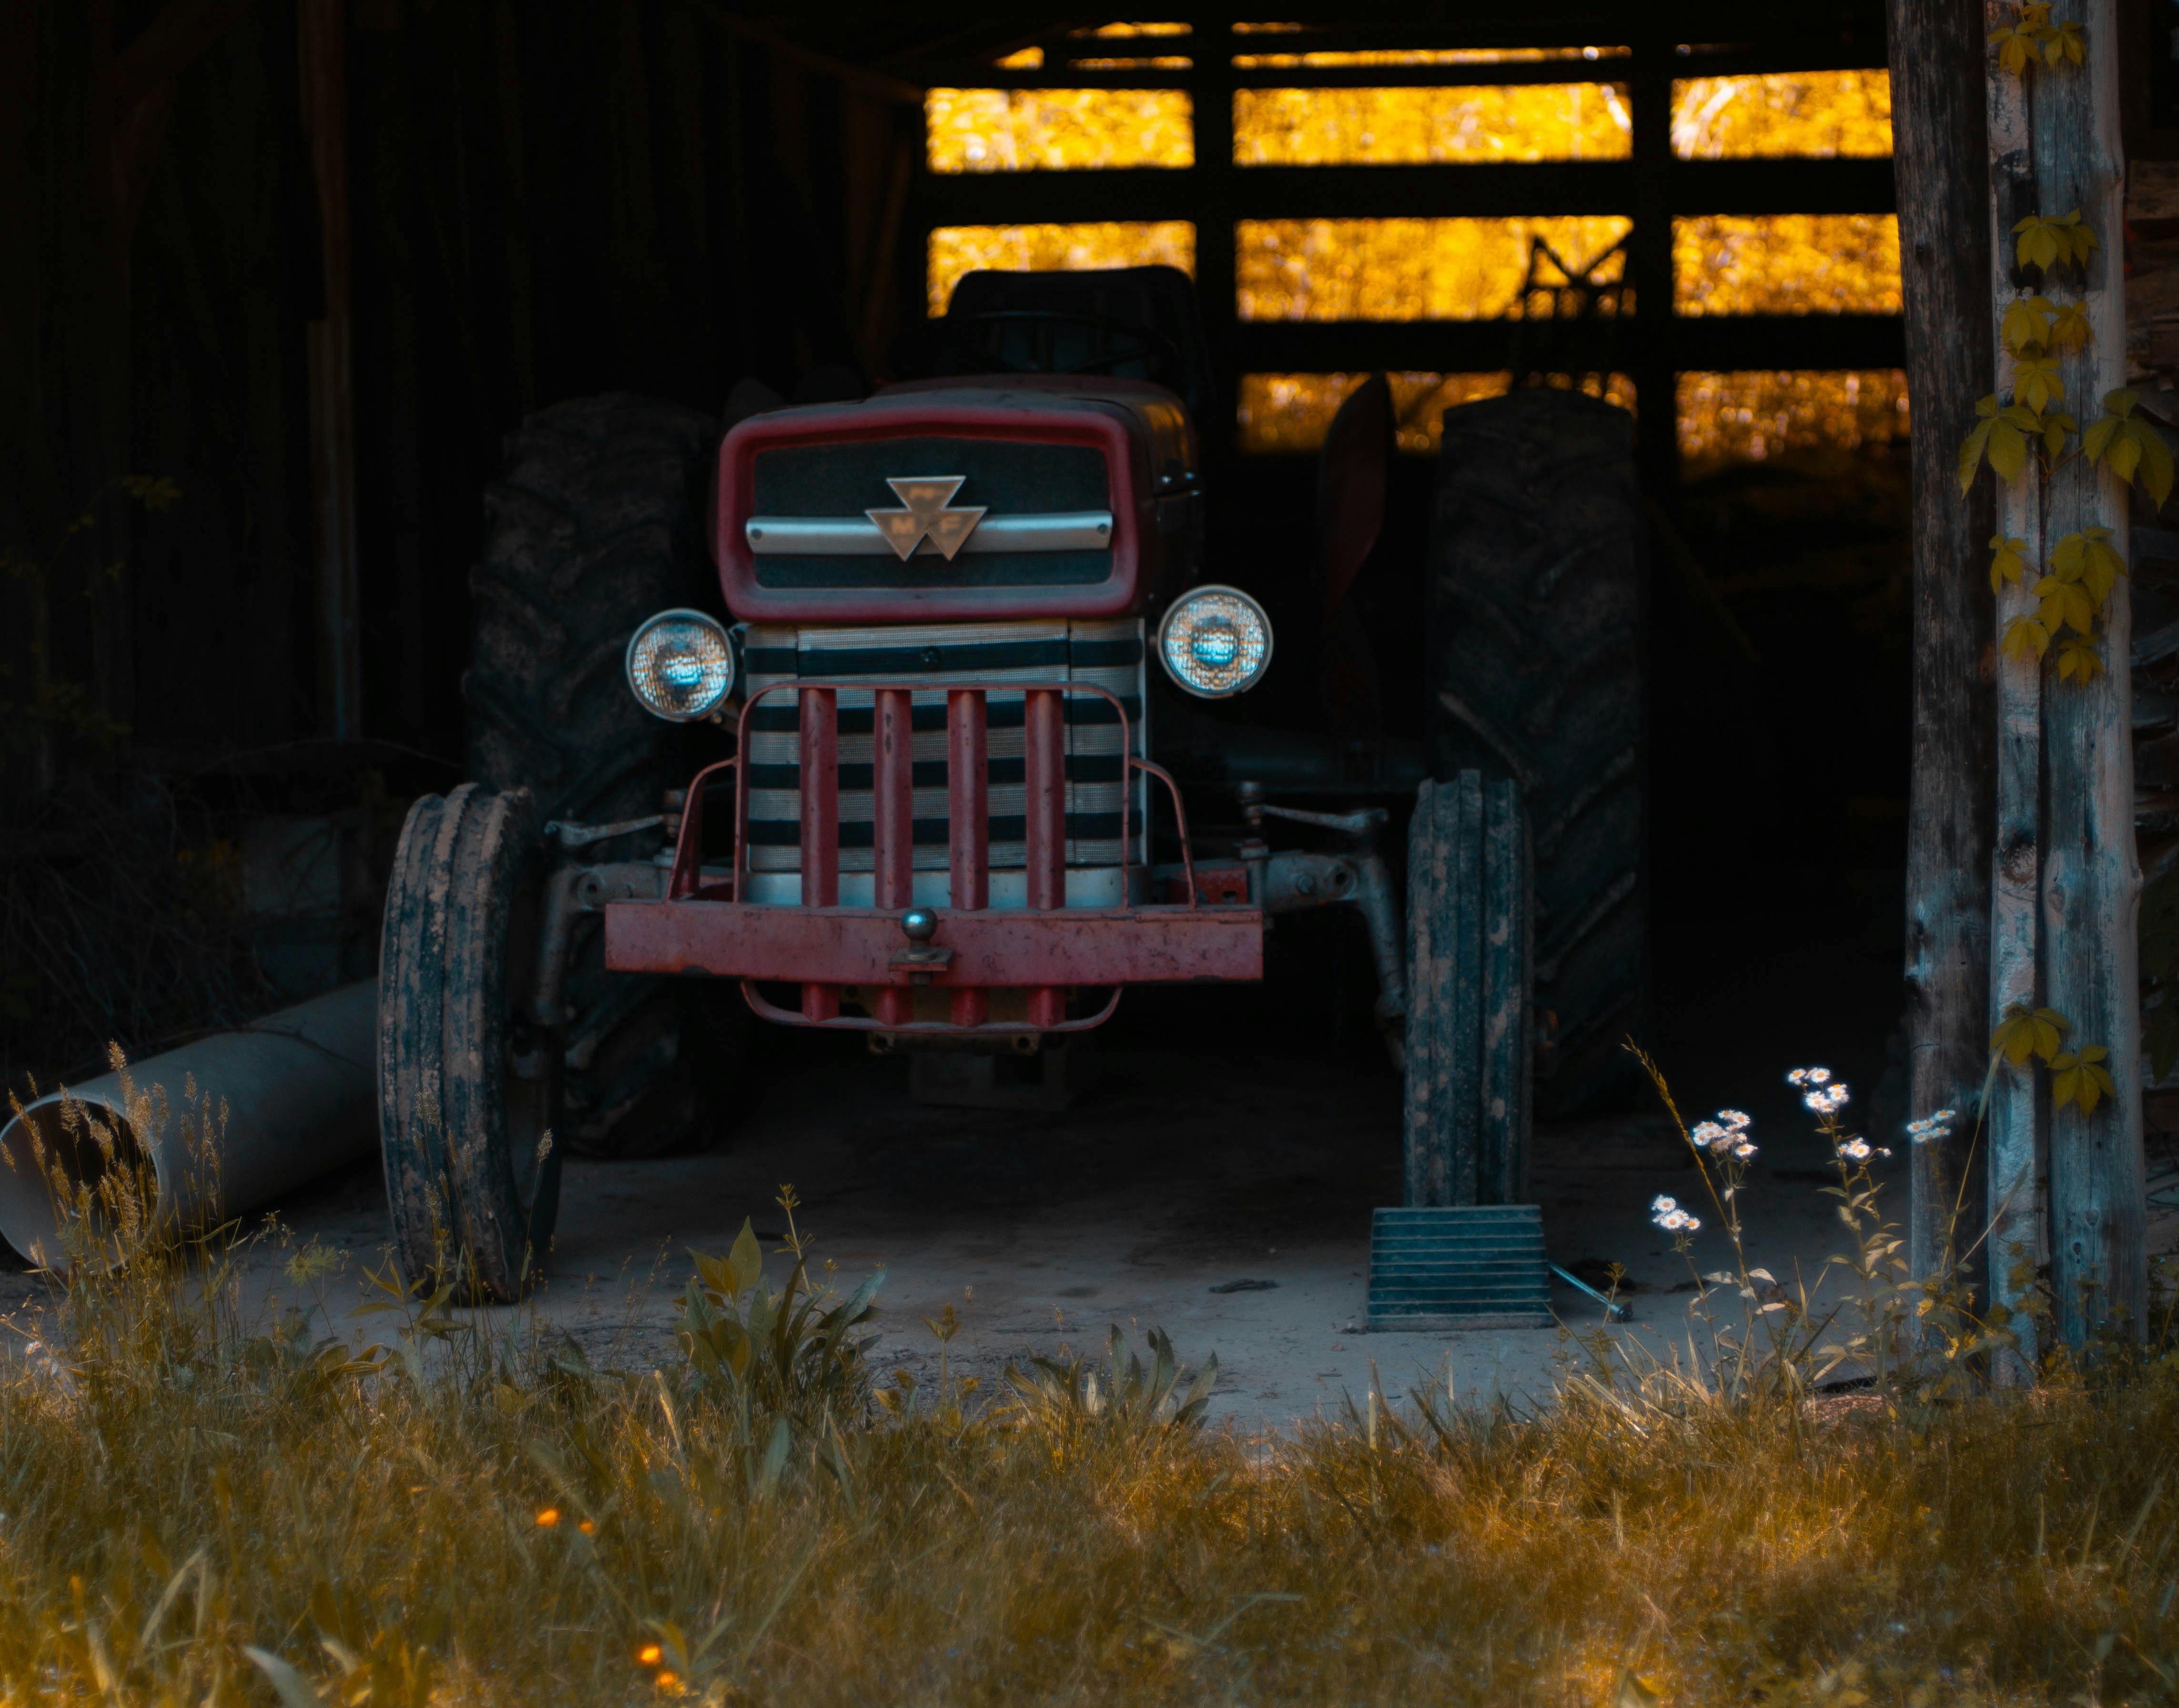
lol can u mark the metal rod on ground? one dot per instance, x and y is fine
(1614, 1310)
(284, 1099)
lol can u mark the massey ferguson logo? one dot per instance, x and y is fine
(926, 499)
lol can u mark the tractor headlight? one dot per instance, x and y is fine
(680, 665)
(1216, 641)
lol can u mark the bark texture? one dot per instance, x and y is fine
(2091, 876)
(2016, 1118)
(1938, 151)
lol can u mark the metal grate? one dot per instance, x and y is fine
(1469, 1266)
(1108, 655)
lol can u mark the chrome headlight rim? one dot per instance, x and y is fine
(1174, 614)
(725, 686)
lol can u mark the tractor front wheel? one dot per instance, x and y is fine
(469, 1086)
(1466, 1048)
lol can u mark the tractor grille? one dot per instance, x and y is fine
(1012, 480)
(1108, 655)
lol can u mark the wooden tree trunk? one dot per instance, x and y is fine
(2091, 878)
(2066, 868)
(2014, 1126)
(1937, 85)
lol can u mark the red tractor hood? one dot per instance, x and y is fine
(1042, 497)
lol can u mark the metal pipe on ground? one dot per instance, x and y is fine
(283, 1099)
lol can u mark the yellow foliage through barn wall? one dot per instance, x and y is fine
(1461, 269)
(1422, 56)
(1291, 412)
(1404, 269)
(956, 250)
(1058, 130)
(1749, 417)
(1821, 114)
(1415, 127)
(1787, 264)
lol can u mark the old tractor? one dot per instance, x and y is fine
(899, 717)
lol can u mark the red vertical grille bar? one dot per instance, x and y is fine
(820, 727)
(968, 831)
(893, 751)
(1043, 774)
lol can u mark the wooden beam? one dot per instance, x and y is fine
(1709, 344)
(2091, 878)
(1939, 157)
(1217, 187)
(322, 49)
(1652, 179)
(164, 48)
(1393, 192)
(861, 77)
(1830, 54)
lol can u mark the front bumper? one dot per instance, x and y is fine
(970, 951)
(1044, 950)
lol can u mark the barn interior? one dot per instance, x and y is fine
(284, 275)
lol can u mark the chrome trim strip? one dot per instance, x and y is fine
(857, 536)
(1087, 887)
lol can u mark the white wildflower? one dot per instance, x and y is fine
(1733, 1118)
(1855, 1151)
(1799, 1076)
(1931, 1128)
(1743, 1151)
(1820, 1076)
(1826, 1100)
(1710, 1134)
(1662, 1206)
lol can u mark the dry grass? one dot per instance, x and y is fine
(177, 1490)
(196, 1509)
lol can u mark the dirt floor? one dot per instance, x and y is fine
(1243, 1138)
(1178, 1176)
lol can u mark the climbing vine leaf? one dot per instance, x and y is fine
(2036, 384)
(2087, 558)
(2079, 660)
(2021, 40)
(2066, 605)
(2044, 243)
(2025, 638)
(2002, 435)
(2026, 328)
(2069, 328)
(2080, 1077)
(2008, 561)
(2025, 1032)
(2131, 445)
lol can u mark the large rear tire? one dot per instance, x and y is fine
(468, 1087)
(1538, 561)
(595, 524)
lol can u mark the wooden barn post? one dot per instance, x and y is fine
(2067, 881)
(2091, 876)
(1937, 54)
(2014, 1125)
